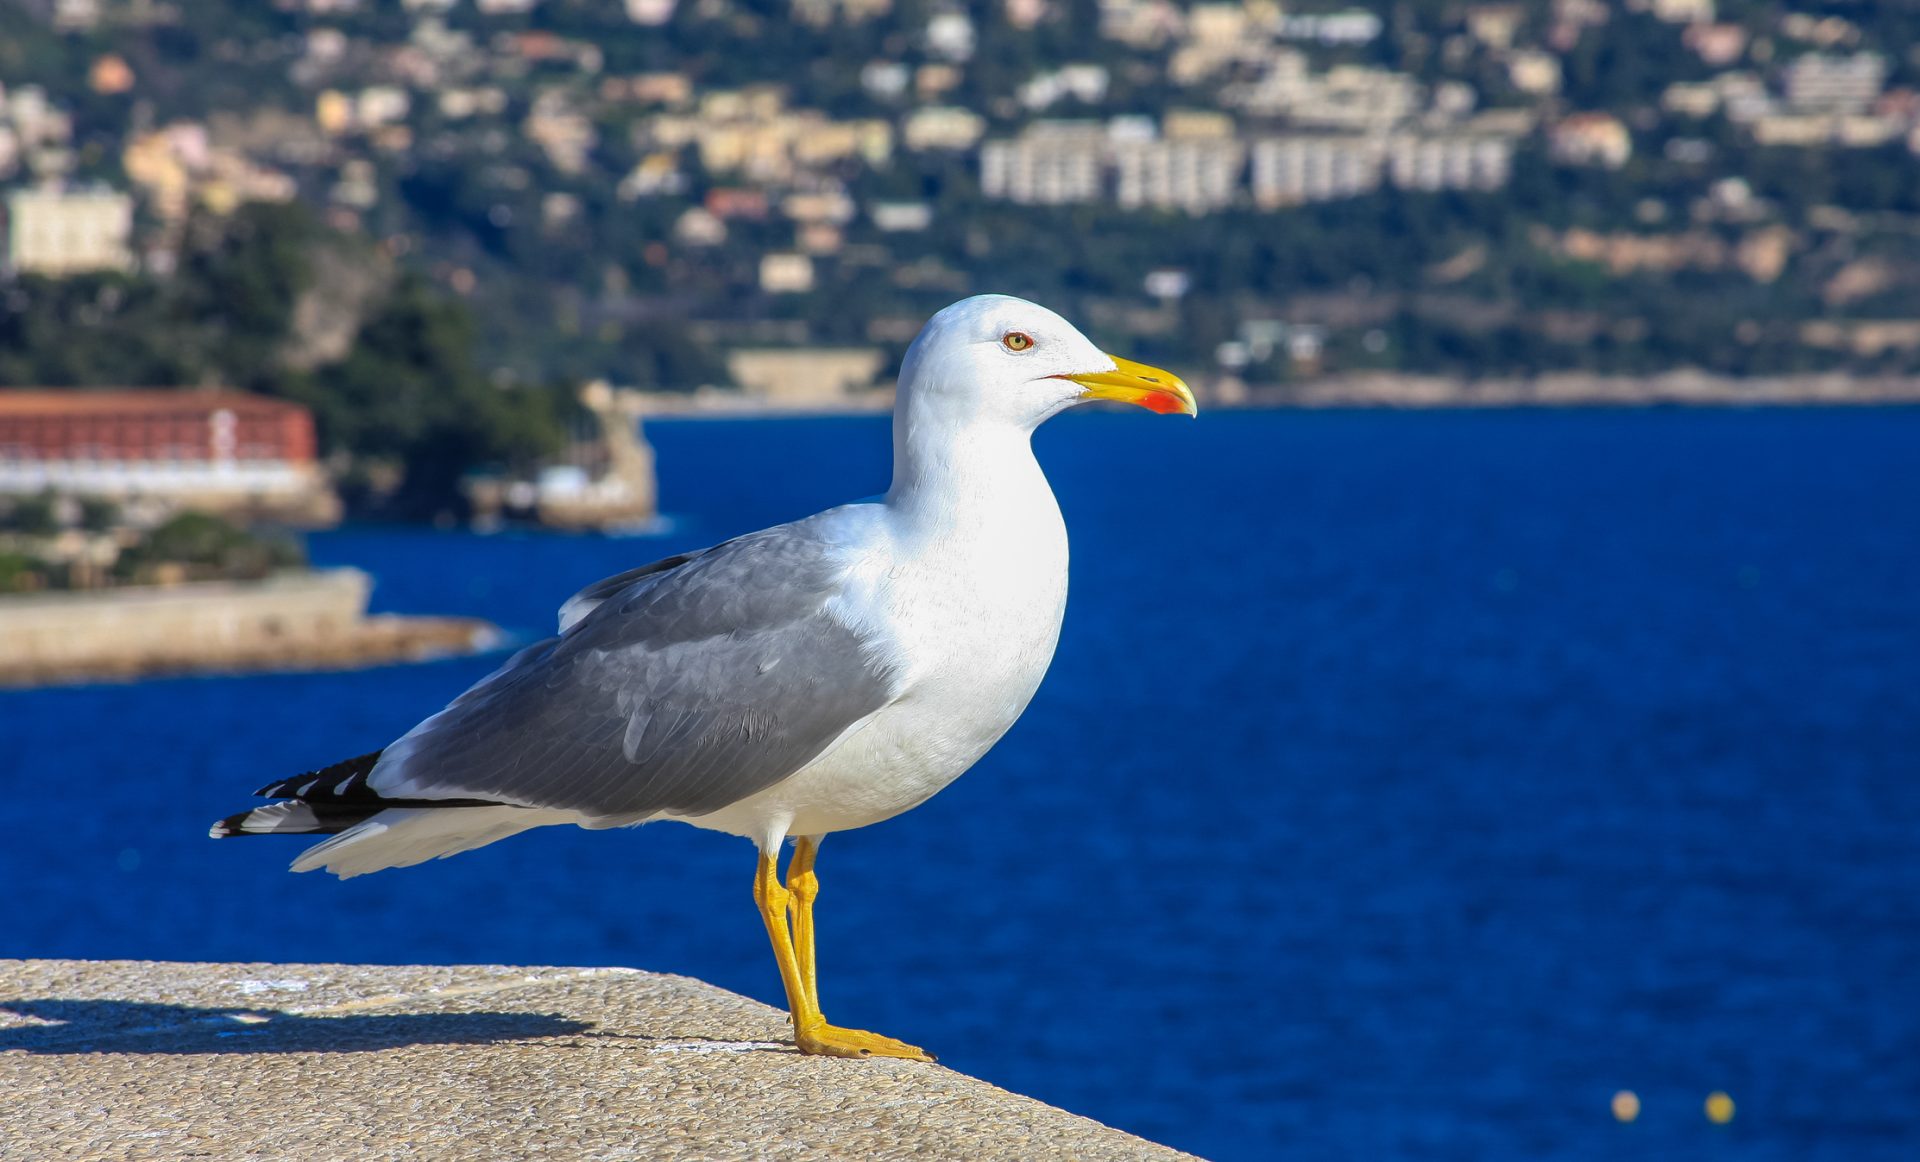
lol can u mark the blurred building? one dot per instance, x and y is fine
(1197, 174)
(59, 232)
(177, 166)
(1195, 166)
(219, 451)
(1684, 11)
(802, 377)
(1838, 84)
(607, 480)
(943, 127)
(786, 273)
(1295, 168)
(1599, 139)
(1315, 168)
(1051, 163)
(1453, 161)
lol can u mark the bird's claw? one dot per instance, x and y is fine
(832, 1041)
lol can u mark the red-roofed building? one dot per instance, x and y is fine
(218, 450)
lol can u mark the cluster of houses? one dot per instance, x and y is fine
(1268, 109)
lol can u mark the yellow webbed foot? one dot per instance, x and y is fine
(833, 1041)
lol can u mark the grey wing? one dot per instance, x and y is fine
(695, 684)
(589, 599)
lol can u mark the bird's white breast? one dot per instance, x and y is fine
(972, 613)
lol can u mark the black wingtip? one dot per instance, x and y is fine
(327, 782)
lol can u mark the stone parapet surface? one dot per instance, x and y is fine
(147, 1060)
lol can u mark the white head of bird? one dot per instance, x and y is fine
(1005, 362)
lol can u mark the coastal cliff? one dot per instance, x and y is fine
(290, 620)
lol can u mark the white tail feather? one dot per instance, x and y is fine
(404, 836)
(297, 818)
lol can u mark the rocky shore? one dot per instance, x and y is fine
(296, 620)
(1568, 389)
(1401, 390)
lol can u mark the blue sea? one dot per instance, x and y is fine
(1406, 785)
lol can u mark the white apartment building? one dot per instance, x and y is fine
(1449, 162)
(1057, 163)
(1053, 163)
(1286, 171)
(786, 273)
(943, 127)
(1196, 163)
(1684, 11)
(1835, 84)
(1289, 170)
(1197, 175)
(59, 232)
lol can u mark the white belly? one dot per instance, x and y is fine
(979, 638)
(897, 761)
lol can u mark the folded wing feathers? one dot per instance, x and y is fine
(662, 694)
(672, 700)
(590, 598)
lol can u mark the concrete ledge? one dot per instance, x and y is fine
(136, 1060)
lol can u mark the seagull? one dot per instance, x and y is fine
(809, 678)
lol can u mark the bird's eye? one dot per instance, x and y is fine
(1016, 340)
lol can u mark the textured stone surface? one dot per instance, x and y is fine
(138, 1060)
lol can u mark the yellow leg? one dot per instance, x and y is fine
(810, 1030)
(803, 887)
(772, 900)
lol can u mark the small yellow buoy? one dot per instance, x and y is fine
(1626, 1106)
(1719, 1108)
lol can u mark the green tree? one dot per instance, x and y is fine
(33, 516)
(239, 283)
(20, 572)
(208, 547)
(410, 394)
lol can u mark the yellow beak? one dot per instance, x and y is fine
(1140, 385)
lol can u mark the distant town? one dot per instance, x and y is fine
(125, 551)
(429, 222)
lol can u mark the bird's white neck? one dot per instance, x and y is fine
(967, 477)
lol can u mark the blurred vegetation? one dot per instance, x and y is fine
(98, 514)
(38, 548)
(22, 572)
(196, 546)
(410, 394)
(404, 412)
(31, 516)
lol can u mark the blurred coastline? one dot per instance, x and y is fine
(313, 620)
(1393, 390)
(1572, 389)
(431, 223)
